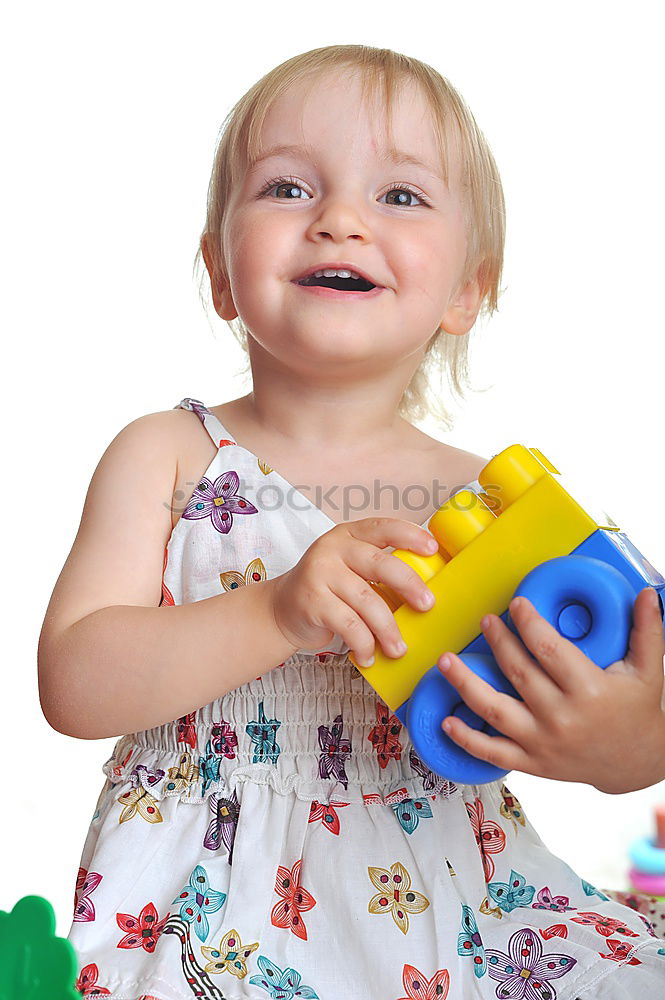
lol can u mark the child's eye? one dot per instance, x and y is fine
(405, 192)
(290, 185)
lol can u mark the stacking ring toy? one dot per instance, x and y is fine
(653, 885)
(647, 857)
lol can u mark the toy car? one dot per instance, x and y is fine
(525, 535)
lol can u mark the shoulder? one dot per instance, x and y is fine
(467, 464)
(161, 432)
(452, 464)
(179, 426)
(153, 441)
(177, 433)
(455, 469)
(165, 443)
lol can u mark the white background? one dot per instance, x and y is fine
(112, 112)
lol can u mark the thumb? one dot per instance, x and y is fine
(647, 642)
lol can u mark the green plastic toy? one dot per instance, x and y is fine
(34, 963)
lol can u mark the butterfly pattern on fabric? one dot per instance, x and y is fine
(395, 895)
(525, 970)
(219, 501)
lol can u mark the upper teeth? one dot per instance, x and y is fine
(330, 273)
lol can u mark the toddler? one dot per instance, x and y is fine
(266, 829)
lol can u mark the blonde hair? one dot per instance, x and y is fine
(238, 146)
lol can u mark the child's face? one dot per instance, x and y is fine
(342, 202)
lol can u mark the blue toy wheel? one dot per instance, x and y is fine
(646, 857)
(587, 601)
(432, 700)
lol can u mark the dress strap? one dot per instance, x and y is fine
(212, 424)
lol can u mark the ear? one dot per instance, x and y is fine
(221, 293)
(463, 310)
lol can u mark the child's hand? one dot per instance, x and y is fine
(327, 591)
(577, 722)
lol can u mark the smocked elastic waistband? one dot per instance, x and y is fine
(307, 692)
(313, 726)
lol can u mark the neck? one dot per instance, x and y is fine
(304, 410)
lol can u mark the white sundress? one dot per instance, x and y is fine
(286, 841)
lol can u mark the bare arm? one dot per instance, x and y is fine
(124, 669)
(110, 659)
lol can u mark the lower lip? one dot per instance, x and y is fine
(338, 293)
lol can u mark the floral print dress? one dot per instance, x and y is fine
(286, 841)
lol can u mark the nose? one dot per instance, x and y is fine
(339, 219)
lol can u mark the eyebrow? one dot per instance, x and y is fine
(391, 155)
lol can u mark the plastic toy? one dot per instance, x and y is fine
(647, 855)
(34, 963)
(525, 535)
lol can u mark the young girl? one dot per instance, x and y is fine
(266, 828)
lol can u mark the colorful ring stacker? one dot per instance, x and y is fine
(647, 857)
(652, 885)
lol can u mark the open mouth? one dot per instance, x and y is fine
(341, 284)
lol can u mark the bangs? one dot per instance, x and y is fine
(380, 83)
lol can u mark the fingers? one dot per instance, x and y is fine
(349, 605)
(526, 675)
(509, 716)
(646, 644)
(498, 750)
(373, 564)
(367, 562)
(566, 665)
(394, 531)
(367, 616)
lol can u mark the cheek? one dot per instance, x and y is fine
(259, 248)
(428, 268)
(420, 250)
(435, 265)
(251, 251)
